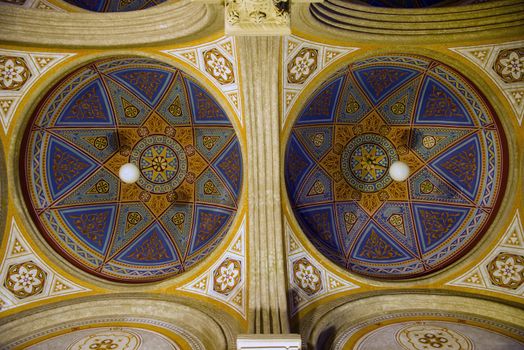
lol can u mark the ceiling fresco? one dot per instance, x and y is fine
(413, 4)
(114, 338)
(403, 3)
(137, 110)
(422, 335)
(365, 117)
(114, 5)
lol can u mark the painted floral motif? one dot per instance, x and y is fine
(302, 66)
(227, 276)
(507, 270)
(114, 339)
(13, 73)
(219, 67)
(510, 65)
(25, 279)
(307, 277)
(423, 337)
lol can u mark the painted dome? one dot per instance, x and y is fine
(142, 111)
(413, 4)
(365, 117)
(114, 5)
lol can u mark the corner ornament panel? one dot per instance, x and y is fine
(362, 119)
(130, 109)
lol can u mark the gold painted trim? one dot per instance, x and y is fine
(173, 21)
(19, 124)
(515, 173)
(353, 22)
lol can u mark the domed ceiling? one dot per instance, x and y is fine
(365, 117)
(142, 111)
(114, 5)
(415, 3)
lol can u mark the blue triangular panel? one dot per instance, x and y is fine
(462, 166)
(208, 224)
(426, 186)
(428, 142)
(101, 187)
(395, 219)
(317, 188)
(398, 108)
(318, 223)
(178, 220)
(379, 82)
(321, 107)
(174, 107)
(439, 105)
(435, 223)
(350, 219)
(153, 247)
(297, 165)
(210, 141)
(318, 140)
(65, 167)
(375, 246)
(133, 218)
(129, 109)
(148, 83)
(92, 225)
(229, 166)
(100, 144)
(89, 107)
(353, 106)
(211, 190)
(205, 109)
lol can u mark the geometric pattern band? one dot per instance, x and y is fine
(364, 118)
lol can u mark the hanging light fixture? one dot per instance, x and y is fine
(129, 173)
(399, 171)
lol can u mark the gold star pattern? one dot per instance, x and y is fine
(369, 163)
(160, 163)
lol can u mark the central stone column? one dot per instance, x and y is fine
(259, 57)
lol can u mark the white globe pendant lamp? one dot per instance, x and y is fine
(399, 171)
(129, 173)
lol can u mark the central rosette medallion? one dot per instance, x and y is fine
(350, 132)
(162, 163)
(132, 110)
(365, 162)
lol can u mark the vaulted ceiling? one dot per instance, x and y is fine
(264, 204)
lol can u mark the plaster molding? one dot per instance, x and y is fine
(269, 341)
(487, 57)
(303, 60)
(218, 61)
(482, 277)
(210, 332)
(327, 323)
(340, 20)
(172, 21)
(257, 17)
(35, 64)
(341, 342)
(260, 57)
(225, 281)
(302, 266)
(13, 292)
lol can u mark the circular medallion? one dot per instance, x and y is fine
(407, 116)
(180, 144)
(365, 162)
(162, 163)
